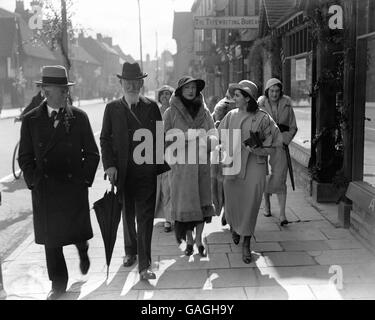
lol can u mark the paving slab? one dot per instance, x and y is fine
(313, 245)
(175, 279)
(293, 275)
(346, 256)
(239, 277)
(292, 258)
(301, 292)
(344, 244)
(337, 233)
(298, 235)
(219, 248)
(235, 260)
(194, 262)
(219, 237)
(303, 225)
(306, 213)
(258, 247)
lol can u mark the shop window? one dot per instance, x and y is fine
(300, 87)
(369, 127)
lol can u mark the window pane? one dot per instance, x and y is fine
(300, 84)
(369, 152)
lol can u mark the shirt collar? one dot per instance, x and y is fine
(49, 109)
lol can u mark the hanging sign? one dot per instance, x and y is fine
(226, 22)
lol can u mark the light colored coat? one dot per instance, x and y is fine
(190, 183)
(283, 115)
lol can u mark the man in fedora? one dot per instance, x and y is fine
(136, 183)
(59, 157)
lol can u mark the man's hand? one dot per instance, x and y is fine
(112, 174)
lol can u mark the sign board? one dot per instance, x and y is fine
(226, 22)
(301, 69)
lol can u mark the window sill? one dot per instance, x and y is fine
(363, 195)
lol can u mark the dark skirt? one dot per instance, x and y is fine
(181, 228)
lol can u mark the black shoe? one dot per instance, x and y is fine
(147, 274)
(129, 260)
(167, 227)
(268, 213)
(236, 237)
(202, 251)
(223, 221)
(84, 263)
(246, 252)
(189, 250)
(284, 222)
(55, 294)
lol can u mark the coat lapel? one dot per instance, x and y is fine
(56, 136)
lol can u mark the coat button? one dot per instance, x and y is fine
(40, 144)
(46, 176)
(45, 160)
(70, 175)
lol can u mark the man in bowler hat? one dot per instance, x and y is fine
(136, 182)
(59, 157)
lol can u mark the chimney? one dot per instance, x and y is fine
(108, 40)
(20, 7)
(99, 37)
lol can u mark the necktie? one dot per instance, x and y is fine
(53, 115)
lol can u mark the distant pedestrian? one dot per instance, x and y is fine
(136, 182)
(191, 199)
(59, 157)
(222, 107)
(279, 107)
(243, 191)
(163, 194)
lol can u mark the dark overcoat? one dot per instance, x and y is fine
(59, 165)
(114, 137)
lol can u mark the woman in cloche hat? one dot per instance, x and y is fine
(243, 188)
(163, 195)
(191, 200)
(279, 107)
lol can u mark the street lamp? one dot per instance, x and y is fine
(140, 33)
(64, 36)
(140, 39)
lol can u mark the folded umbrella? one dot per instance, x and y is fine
(108, 214)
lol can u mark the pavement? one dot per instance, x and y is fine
(309, 259)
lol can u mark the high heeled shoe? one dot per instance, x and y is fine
(246, 252)
(202, 251)
(189, 250)
(235, 237)
(284, 222)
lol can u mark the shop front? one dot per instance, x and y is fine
(361, 190)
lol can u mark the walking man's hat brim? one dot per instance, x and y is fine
(54, 76)
(131, 71)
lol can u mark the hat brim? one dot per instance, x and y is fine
(120, 76)
(235, 87)
(200, 84)
(41, 83)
